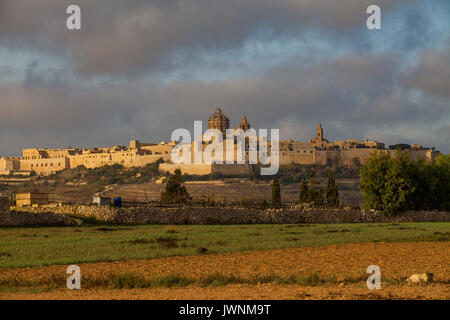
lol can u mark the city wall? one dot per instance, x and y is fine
(194, 169)
(232, 169)
(204, 169)
(352, 157)
(301, 158)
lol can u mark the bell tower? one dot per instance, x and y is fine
(319, 133)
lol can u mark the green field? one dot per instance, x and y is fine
(26, 247)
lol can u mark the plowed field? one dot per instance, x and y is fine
(341, 262)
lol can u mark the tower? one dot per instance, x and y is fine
(219, 121)
(244, 125)
(319, 133)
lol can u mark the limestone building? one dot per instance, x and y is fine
(46, 161)
(318, 150)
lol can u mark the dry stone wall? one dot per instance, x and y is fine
(4, 211)
(21, 218)
(33, 216)
(227, 215)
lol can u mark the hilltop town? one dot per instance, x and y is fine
(318, 150)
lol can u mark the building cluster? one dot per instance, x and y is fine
(46, 161)
(317, 150)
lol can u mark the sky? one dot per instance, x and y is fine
(139, 69)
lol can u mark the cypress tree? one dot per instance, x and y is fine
(303, 196)
(276, 193)
(315, 193)
(332, 192)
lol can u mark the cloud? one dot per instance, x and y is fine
(131, 37)
(102, 86)
(351, 95)
(432, 74)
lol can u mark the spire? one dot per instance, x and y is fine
(244, 125)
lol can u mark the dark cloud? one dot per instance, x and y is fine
(350, 95)
(432, 74)
(99, 95)
(131, 37)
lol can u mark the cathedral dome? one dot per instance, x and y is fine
(219, 121)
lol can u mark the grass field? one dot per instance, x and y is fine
(31, 247)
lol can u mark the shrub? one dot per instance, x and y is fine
(128, 281)
(171, 280)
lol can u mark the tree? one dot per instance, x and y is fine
(303, 195)
(332, 191)
(175, 191)
(399, 186)
(315, 193)
(373, 179)
(276, 193)
(425, 195)
(387, 184)
(442, 172)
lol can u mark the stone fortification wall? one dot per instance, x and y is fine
(194, 169)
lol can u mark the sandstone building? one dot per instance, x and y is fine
(318, 150)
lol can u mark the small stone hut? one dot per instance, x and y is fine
(31, 198)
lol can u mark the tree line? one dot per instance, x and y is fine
(311, 192)
(389, 184)
(395, 184)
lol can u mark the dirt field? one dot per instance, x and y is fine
(245, 292)
(348, 261)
